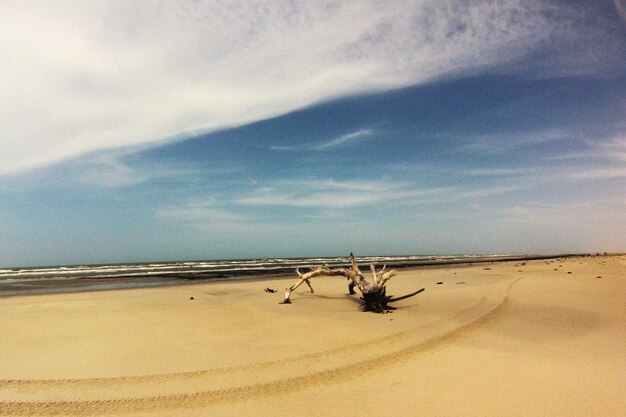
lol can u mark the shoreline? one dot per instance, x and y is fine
(135, 281)
(527, 338)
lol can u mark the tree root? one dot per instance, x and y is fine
(378, 301)
(373, 292)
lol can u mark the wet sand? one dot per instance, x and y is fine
(529, 338)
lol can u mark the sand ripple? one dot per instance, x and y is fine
(209, 387)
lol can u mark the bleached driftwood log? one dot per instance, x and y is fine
(373, 293)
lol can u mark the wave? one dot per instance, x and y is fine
(216, 268)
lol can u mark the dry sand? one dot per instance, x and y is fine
(500, 339)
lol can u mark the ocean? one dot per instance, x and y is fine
(25, 280)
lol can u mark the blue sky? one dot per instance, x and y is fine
(166, 131)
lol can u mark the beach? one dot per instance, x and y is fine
(524, 338)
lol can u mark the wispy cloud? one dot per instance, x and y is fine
(111, 171)
(505, 141)
(347, 139)
(354, 194)
(479, 192)
(326, 194)
(565, 215)
(108, 169)
(600, 173)
(613, 149)
(495, 172)
(344, 140)
(345, 185)
(81, 77)
(201, 213)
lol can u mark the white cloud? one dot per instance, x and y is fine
(600, 173)
(344, 140)
(327, 194)
(496, 172)
(201, 213)
(333, 195)
(324, 200)
(567, 216)
(501, 142)
(348, 186)
(347, 139)
(480, 192)
(85, 76)
(109, 170)
(613, 149)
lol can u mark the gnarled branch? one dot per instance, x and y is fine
(373, 293)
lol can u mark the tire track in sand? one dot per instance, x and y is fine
(226, 385)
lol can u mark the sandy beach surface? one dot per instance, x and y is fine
(534, 338)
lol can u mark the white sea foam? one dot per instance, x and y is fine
(208, 268)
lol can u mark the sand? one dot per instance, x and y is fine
(526, 339)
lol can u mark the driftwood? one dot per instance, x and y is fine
(373, 293)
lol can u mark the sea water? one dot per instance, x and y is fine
(106, 276)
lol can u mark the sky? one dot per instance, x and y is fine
(162, 130)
